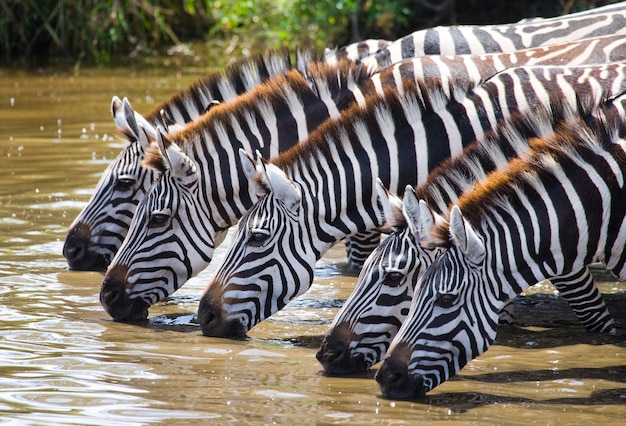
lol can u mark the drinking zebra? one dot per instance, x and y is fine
(155, 285)
(478, 39)
(551, 212)
(370, 318)
(324, 190)
(99, 229)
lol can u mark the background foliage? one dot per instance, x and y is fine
(38, 32)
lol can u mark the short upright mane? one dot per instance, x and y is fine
(266, 64)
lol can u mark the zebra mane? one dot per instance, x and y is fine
(378, 111)
(321, 78)
(595, 129)
(270, 63)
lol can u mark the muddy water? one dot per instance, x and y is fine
(62, 361)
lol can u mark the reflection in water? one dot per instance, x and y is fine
(62, 361)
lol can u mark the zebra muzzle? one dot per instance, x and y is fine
(335, 354)
(214, 323)
(395, 380)
(115, 300)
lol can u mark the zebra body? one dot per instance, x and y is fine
(550, 212)
(330, 93)
(99, 229)
(478, 39)
(324, 190)
(370, 318)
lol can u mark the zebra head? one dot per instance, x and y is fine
(370, 318)
(163, 228)
(452, 320)
(98, 231)
(270, 261)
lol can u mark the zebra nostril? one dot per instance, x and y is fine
(74, 251)
(111, 296)
(208, 318)
(330, 356)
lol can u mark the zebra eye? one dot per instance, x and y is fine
(257, 238)
(124, 183)
(393, 278)
(158, 220)
(446, 300)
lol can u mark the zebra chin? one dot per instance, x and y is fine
(78, 254)
(214, 323)
(394, 378)
(115, 300)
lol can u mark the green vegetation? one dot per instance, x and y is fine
(38, 32)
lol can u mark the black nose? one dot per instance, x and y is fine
(396, 382)
(76, 250)
(115, 299)
(213, 324)
(76, 244)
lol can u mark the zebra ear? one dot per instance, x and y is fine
(131, 123)
(180, 165)
(464, 237)
(125, 123)
(424, 220)
(391, 206)
(282, 187)
(170, 125)
(253, 172)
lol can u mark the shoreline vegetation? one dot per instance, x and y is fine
(35, 33)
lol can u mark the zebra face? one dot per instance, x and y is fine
(372, 315)
(161, 249)
(452, 320)
(96, 234)
(270, 262)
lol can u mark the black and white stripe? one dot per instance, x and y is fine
(324, 190)
(478, 39)
(551, 212)
(98, 231)
(202, 191)
(337, 87)
(370, 318)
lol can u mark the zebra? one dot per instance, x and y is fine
(550, 212)
(323, 190)
(155, 285)
(478, 39)
(370, 318)
(99, 229)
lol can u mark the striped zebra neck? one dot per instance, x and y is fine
(595, 148)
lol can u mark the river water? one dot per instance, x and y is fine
(63, 361)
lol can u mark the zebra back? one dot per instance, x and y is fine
(399, 137)
(566, 201)
(479, 39)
